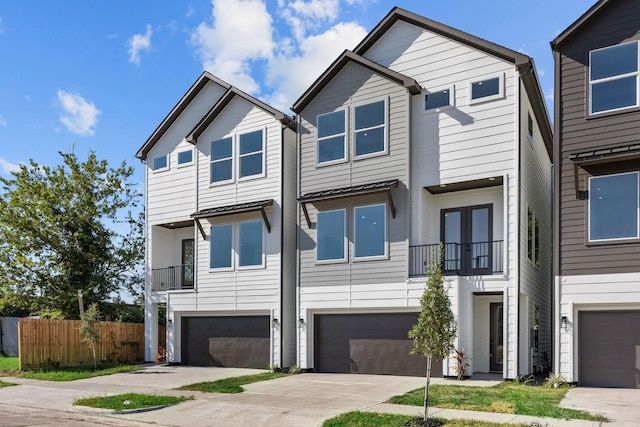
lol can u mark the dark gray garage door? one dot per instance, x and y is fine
(368, 344)
(609, 348)
(232, 341)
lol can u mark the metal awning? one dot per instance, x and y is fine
(232, 210)
(356, 190)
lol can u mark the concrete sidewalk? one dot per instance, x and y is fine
(298, 400)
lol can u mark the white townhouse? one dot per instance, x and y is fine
(220, 231)
(424, 134)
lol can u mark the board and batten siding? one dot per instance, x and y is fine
(617, 23)
(171, 194)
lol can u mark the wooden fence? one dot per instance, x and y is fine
(45, 342)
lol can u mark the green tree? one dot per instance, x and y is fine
(90, 326)
(435, 332)
(68, 228)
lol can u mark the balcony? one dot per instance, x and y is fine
(459, 259)
(172, 278)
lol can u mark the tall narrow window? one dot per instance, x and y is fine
(530, 127)
(251, 153)
(370, 128)
(370, 233)
(530, 234)
(613, 207)
(331, 137)
(613, 77)
(221, 246)
(250, 244)
(222, 160)
(330, 230)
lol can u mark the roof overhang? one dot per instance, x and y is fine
(356, 190)
(232, 210)
(494, 181)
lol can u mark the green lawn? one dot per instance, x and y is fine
(510, 398)
(121, 402)
(8, 363)
(231, 385)
(76, 372)
(370, 419)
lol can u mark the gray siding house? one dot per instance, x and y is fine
(597, 199)
(423, 134)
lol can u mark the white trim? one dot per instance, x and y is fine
(385, 129)
(637, 197)
(345, 257)
(498, 95)
(240, 156)
(233, 163)
(386, 237)
(451, 104)
(343, 134)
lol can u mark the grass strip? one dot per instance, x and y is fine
(506, 397)
(372, 419)
(125, 401)
(6, 384)
(76, 372)
(8, 363)
(231, 385)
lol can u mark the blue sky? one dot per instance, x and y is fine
(86, 75)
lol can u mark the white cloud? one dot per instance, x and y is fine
(3, 122)
(240, 34)
(8, 167)
(78, 115)
(303, 16)
(549, 96)
(139, 43)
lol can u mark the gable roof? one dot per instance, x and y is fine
(193, 91)
(348, 56)
(231, 93)
(579, 23)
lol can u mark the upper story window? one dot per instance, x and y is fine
(222, 160)
(370, 231)
(251, 153)
(530, 127)
(533, 237)
(613, 78)
(221, 246)
(370, 129)
(330, 235)
(332, 137)
(250, 244)
(247, 239)
(614, 202)
(160, 163)
(185, 157)
(438, 99)
(487, 89)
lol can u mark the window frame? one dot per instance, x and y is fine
(345, 252)
(591, 83)
(183, 164)
(239, 156)
(589, 215)
(499, 95)
(160, 169)
(385, 129)
(533, 237)
(385, 255)
(530, 127)
(231, 248)
(237, 248)
(232, 158)
(335, 135)
(451, 104)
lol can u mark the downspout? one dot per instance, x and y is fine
(518, 220)
(299, 327)
(557, 166)
(283, 321)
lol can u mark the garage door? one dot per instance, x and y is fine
(231, 341)
(609, 348)
(368, 344)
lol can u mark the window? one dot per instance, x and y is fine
(613, 78)
(160, 163)
(370, 231)
(438, 99)
(613, 207)
(222, 160)
(250, 243)
(185, 157)
(331, 137)
(533, 238)
(530, 127)
(486, 90)
(221, 246)
(330, 231)
(369, 129)
(251, 153)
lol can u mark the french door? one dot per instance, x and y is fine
(467, 233)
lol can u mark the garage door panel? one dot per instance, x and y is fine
(609, 348)
(368, 344)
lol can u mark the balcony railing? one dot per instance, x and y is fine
(459, 259)
(174, 277)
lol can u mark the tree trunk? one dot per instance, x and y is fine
(93, 348)
(426, 389)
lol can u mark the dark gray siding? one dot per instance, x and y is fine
(618, 23)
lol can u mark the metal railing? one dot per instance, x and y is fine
(459, 259)
(170, 278)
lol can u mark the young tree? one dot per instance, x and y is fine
(68, 228)
(435, 331)
(90, 329)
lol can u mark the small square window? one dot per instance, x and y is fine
(160, 163)
(251, 153)
(370, 231)
(185, 157)
(330, 235)
(438, 99)
(331, 137)
(613, 207)
(613, 78)
(370, 129)
(486, 90)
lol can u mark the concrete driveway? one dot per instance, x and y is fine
(620, 405)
